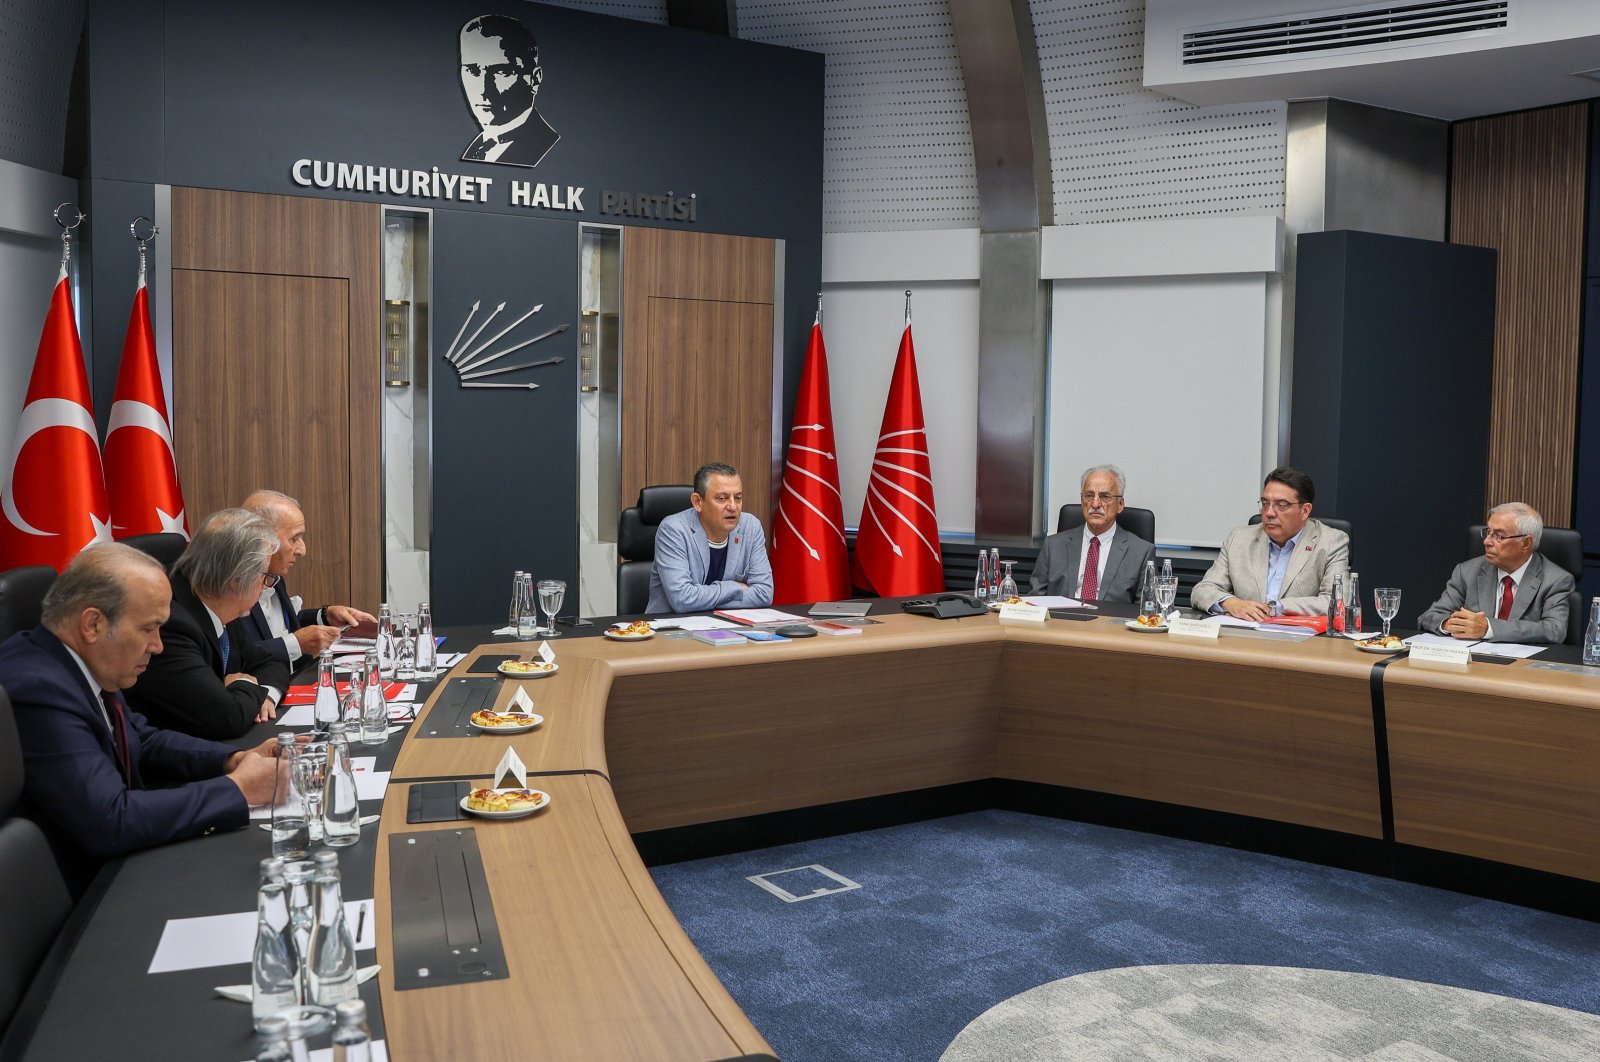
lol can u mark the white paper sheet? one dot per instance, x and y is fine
(299, 715)
(762, 615)
(221, 940)
(1055, 601)
(1514, 650)
(1436, 639)
(695, 623)
(448, 660)
(353, 645)
(1222, 619)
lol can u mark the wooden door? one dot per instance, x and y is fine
(697, 360)
(275, 365)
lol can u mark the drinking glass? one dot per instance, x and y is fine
(1008, 585)
(405, 647)
(1387, 598)
(349, 693)
(310, 770)
(551, 592)
(1166, 592)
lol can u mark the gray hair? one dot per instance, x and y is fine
(228, 552)
(703, 474)
(1528, 520)
(1112, 470)
(96, 578)
(274, 506)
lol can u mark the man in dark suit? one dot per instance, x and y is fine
(1511, 593)
(276, 623)
(98, 778)
(202, 682)
(501, 75)
(1096, 561)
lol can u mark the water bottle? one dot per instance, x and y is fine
(333, 951)
(291, 834)
(1166, 568)
(1336, 609)
(1352, 604)
(341, 811)
(351, 1041)
(1148, 605)
(980, 589)
(275, 967)
(528, 610)
(994, 574)
(297, 879)
(374, 709)
(385, 639)
(325, 711)
(1591, 637)
(272, 1039)
(515, 615)
(427, 651)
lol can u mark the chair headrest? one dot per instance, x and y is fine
(10, 758)
(22, 593)
(656, 503)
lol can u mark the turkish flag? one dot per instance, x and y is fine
(809, 558)
(54, 498)
(140, 474)
(897, 547)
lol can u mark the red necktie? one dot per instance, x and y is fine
(1505, 598)
(119, 732)
(1091, 571)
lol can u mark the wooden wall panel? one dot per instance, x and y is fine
(697, 359)
(277, 307)
(1517, 185)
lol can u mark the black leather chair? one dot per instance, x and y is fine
(166, 548)
(1559, 545)
(636, 542)
(1331, 521)
(1141, 522)
(33, 894)
(22, 593)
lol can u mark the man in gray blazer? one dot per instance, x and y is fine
(1119, 555)
(713, 555)
(1288, 558)
(1511, 593)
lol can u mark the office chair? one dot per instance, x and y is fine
(1141, 522)
(22, 593)
(636, 542)
(166, 548)
(1562, 546)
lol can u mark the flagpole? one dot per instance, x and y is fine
(908, 307)
(818, 319)
(66, 231)
(144, 245)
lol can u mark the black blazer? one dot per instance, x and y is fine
(253, 626)
(182, 689)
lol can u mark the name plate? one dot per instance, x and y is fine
(1442, 655)
(1023, 613)
(1193, 628)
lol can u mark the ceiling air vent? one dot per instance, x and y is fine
(1347, 30)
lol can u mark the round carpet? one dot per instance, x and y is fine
(1267, 1013)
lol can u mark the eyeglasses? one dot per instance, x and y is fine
(1496, 536)
(1281, 505)
(270, 580)
(1092, 496)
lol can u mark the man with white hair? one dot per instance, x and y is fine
(1511, 593)
(1097, 560)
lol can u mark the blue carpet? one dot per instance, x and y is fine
(957, 914)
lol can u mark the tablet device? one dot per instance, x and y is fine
(841, 608)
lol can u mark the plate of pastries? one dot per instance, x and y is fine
(1152, 624)
(505, 803)
(528, 669)
(637, 631)
(504, 722)
(1382, 644)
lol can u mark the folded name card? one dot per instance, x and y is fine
(1445, 655)
(1193, 628)
(1023, 613)
(547, 654)
(511, 774)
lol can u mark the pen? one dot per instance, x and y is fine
(361, 923)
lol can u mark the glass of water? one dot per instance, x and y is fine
(551, 593)
(405, 647)
(1387, 598)
(310, 770)
(1166, 592)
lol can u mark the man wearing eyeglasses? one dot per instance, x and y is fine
(203, 682)
(1095, 561)
(1511, 593)
(1284, 565)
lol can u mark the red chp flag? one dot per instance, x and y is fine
(809, 558)
(897, 547)
(140, 474)
(54, 497)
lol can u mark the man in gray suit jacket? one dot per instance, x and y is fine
(1511, 593)
(1119, 555)
(713, 555)
(1288, 558)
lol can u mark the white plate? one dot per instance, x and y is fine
(528, 674)
(618, 637)
(1402, 648)
(520, 728)
(1135, 625)
(516, 814)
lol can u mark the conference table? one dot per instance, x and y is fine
(557, 943)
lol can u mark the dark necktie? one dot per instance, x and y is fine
(1091, 571)
(119, 733)
(223, 643)
(1505, 597)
